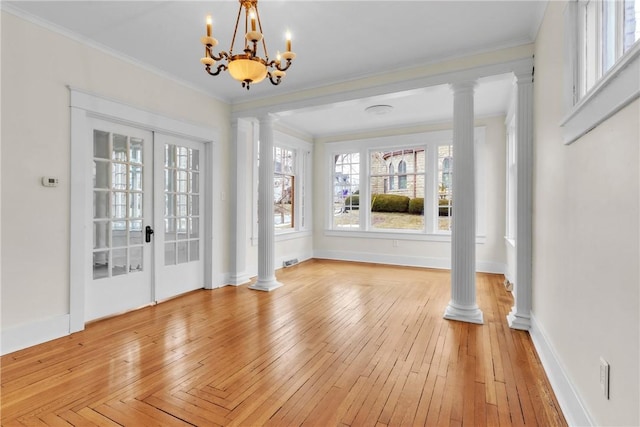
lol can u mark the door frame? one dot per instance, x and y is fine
(85, 106)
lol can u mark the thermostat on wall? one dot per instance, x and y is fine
(49, 181)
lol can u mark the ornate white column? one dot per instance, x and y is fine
(463, 305)
(241, 190)
(266, 232)
(520, 315)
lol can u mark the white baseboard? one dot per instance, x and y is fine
(22, 336)
(572, 406)
(406, 261)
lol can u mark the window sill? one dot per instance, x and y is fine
(290, 235)
(618, 88)
(285, 235)
(397, 235)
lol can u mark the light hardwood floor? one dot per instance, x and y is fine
(340, 344)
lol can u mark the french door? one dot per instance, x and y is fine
(147, 228)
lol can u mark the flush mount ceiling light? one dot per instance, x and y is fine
(379, 110)
(248, 67)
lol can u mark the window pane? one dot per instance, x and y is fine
(135, 232)
(100, 264)
(119, 262)
(100, 144)
(100, 234)
(283, 201)
(445, 182)
(135, 181)
(170, 156)
(100, 174)
(631, 23)
(182, 252)
(135, 259)
(135, 150)
(119, 148)
(397, 190)
(100, 204)
(169, 229)
(346, 191)
(119, 233)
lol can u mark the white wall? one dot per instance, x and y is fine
(490, 255)
(36, 143)
(586, 240)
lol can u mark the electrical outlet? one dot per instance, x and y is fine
(604, 377)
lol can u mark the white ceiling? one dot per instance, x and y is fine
(334, 41)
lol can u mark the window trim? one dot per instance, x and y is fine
(303, 152)
(616, 89)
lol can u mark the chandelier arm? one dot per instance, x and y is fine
(221, 67)
(285, 68)
(223, 54)
(275, 82)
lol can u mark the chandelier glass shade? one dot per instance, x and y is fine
(251, 66)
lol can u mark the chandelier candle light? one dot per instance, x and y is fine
(247, 67)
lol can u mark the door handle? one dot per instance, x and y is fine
(148, 231)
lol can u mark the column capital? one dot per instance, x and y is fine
(463, 86)
(522, 77)
(268, 118)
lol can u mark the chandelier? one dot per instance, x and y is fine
(248, 67)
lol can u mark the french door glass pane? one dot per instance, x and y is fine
(119, 262)
(100, 234)
(119, 148)
(101, 144)
(100, 264)
(135, 232)
(135, 150)
(118, 234)
(100, 174)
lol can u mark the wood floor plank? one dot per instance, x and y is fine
(341, 344)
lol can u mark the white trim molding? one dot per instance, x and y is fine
(569, 400)
(405, 260)
(615, 90)
(84, 106)
(22, 336)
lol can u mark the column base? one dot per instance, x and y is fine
(464, 314)
(266, 286)
(518, 321)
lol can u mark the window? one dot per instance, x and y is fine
(607, 30)
(510, 232)
(292, 167)
(394, 212)
(445, 184)
(602, 76)
(283, 188)
(346, 190)
(419, 201)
